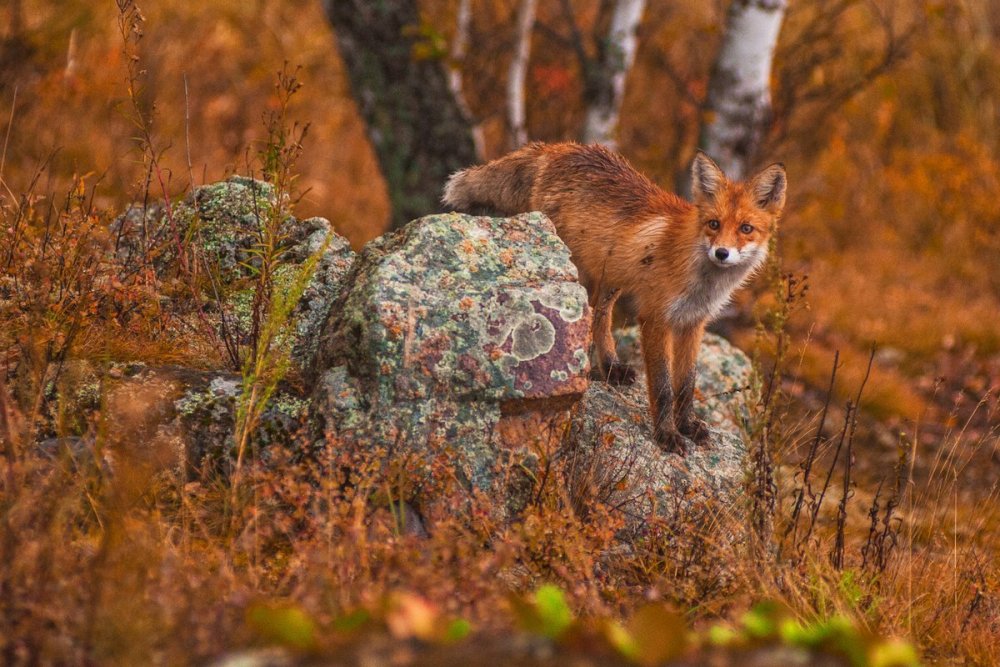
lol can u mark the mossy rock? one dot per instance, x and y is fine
(220, 225)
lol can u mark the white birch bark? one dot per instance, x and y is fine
(601, 121)
(739, 91)
(516, 75)
(459, 47)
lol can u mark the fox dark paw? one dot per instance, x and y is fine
(695, 429)
(618, 373)
(672, 441)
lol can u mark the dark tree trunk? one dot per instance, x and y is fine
(416, 126)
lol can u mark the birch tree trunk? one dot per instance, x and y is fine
(459, 47)
(516, 123)
(606, 85)
(739, 90)
(415, 125)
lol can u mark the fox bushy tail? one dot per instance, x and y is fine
(503, 185)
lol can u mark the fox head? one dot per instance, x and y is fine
(736, 217)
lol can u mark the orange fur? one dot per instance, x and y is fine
(679, 262)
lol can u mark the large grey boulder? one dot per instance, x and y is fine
(451, 325)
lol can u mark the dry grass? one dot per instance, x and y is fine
(136, 564)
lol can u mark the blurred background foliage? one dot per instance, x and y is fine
(885, 113)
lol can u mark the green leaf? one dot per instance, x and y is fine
(835, 632)
(285, 624)
(814, 634)
(546, 613)
(553, 612)
(761, 622)
(352, 621)
(619, 637)
(457, 630)
(894, 653)
(722, 635)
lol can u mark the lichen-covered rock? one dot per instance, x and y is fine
(221, 220)
(611, 432)
(472, 307)
(324, 287)
(449, 324)
(72, 398)
(205, 419)
(220, 226)
(225, 219)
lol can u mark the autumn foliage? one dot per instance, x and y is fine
(886, 117)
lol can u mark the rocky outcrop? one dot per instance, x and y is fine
(452, 351)
(466, 339)
(183, 416)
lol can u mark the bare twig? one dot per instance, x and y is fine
(810, 459)
(187, 131)
(6, 141)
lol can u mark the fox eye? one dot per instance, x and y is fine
(746, 228)
(713, 224)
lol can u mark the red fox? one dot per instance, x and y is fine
(679, 262)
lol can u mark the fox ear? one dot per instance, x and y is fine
(706, 177)
(768, 188)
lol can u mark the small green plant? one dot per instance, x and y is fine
(268, 358)
(546, 613)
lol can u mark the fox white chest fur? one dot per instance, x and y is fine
(710, 289)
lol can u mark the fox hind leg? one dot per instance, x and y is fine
(609, 366)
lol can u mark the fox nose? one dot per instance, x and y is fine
(722, 254)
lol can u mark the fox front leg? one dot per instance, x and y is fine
(687, 343)
(687, 422)
(655, 340)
